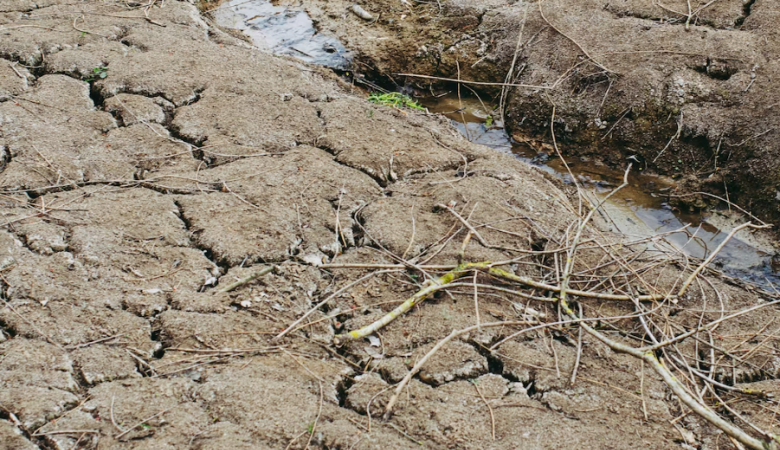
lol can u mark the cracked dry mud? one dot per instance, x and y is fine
(125, 199)
(649, 77)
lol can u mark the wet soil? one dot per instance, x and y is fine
(647, 206)
(694, 97)
(150, 158)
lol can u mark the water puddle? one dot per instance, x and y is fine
(283, 30)
(640, 209)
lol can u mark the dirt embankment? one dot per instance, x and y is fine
(693, 94)
(147, 157)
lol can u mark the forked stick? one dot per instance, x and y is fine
(714, 254)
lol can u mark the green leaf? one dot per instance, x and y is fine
(395, 99)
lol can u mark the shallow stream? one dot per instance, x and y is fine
(640, 209)
(282, 30)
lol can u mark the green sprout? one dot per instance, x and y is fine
(395, 99)
(98, 73)
(489, 121)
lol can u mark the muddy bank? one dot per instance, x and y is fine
(150, 159)
(692, 95)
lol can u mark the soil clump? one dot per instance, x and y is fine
(150, 159)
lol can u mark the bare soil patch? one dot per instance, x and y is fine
(129, 201)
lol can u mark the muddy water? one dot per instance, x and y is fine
(640, 209)
(283, 30)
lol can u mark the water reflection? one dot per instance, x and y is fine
(283, 31)
(640, 209)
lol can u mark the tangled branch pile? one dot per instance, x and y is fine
(664, 309)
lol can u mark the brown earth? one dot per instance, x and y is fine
(129, 200)
(633, 77)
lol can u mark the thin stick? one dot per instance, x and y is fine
(319, 409)
(46, 337)
(506, 291)
(243, 281)
(510, 73)
(677, 388)
(329, 298)
(500, 273)
(420, 296)
(708, 325)
(490, 410)
(385, 266)
(118, 437)
(404, 433)
(297, 436)
(541, 12)
(641, 386)
(731, 205)
(476, 299)
(371, 400)
(467, 224)
(675, 136)
(478, 83)
(462, 254)
(431, 352)
(460, 107)
(555, 355)
(690, 15)
(579, 353)
(85, 31)
(13, 67)
(111, 413)
(580, 195)
(411, 240)
(572, 251)
(47, 433)
(339, 233)
(77, 408)
(714, 254)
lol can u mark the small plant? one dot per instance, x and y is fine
(396, 100)
(98, 73)
(489, 121)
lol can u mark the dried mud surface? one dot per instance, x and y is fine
(129, 200)
(630, 77)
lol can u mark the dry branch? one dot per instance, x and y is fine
(621, 282)
(420, 296)
(329, 298)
